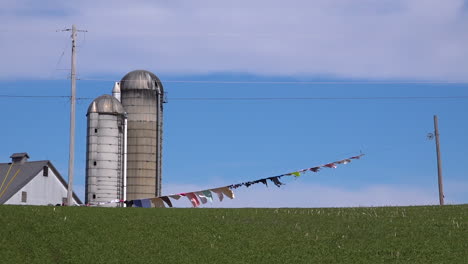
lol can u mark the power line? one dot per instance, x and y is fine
(287, 82)
(33, 96)
(313, 98)
(308, 82)
(262, 98)
(271, 82)
(346, 83)
(277, 82)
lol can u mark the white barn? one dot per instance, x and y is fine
(24, 182)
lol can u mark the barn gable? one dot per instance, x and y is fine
(21, 174)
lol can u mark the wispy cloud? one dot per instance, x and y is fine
(416, 39)
(296, 194)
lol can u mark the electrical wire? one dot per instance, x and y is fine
(262, 98)
(67, 43)
(313, 98)
(276, 82)
(32, 96)
(287, 82)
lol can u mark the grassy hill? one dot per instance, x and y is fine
(431, 234)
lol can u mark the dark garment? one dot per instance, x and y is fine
(129, 203)
(315, 169)
(276, 181)
(166, 200)
(264, 181)
(247, 184)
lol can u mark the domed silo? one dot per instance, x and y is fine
(105, 151)
(143, 97)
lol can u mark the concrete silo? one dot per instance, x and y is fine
(105, 166)
(142, 97)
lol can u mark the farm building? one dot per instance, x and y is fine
(24, 182)
(124, 141)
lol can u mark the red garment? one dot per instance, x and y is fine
(330, 165)
(193, 199)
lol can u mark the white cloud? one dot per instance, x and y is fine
(417, 39)
(297, 194)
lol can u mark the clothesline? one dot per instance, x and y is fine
(203, 196)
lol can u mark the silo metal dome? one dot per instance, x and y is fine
(106, 104)
(105, 151)
(141, 79)
(142, 97)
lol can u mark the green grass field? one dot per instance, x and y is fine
(429, 234)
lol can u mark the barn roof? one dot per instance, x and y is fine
(21, 174)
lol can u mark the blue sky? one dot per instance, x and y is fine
(358, 48)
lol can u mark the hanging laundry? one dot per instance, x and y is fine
(219, 193)
(146, 203)
(345, 161)
(208, 195)
(157, 202)
(315, 169)
(129, 203)
(235, 186)
(167, 200)
(264, 181)
(137, 203)
(276, 181)
(175, 196)
(297, 174)
(226, 191)
(193, 199)
(247, 184)
(201, 196)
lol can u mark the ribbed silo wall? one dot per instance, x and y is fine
(104, 158)
(143, 143)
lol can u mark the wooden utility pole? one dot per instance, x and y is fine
(71, 159)
(439, 161)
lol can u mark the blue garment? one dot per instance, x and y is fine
(137, 203)
(145, 203)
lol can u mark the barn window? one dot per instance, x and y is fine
(95, 130)
(95, 163)
(24, 197)
(94, 196)
(45, 171)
